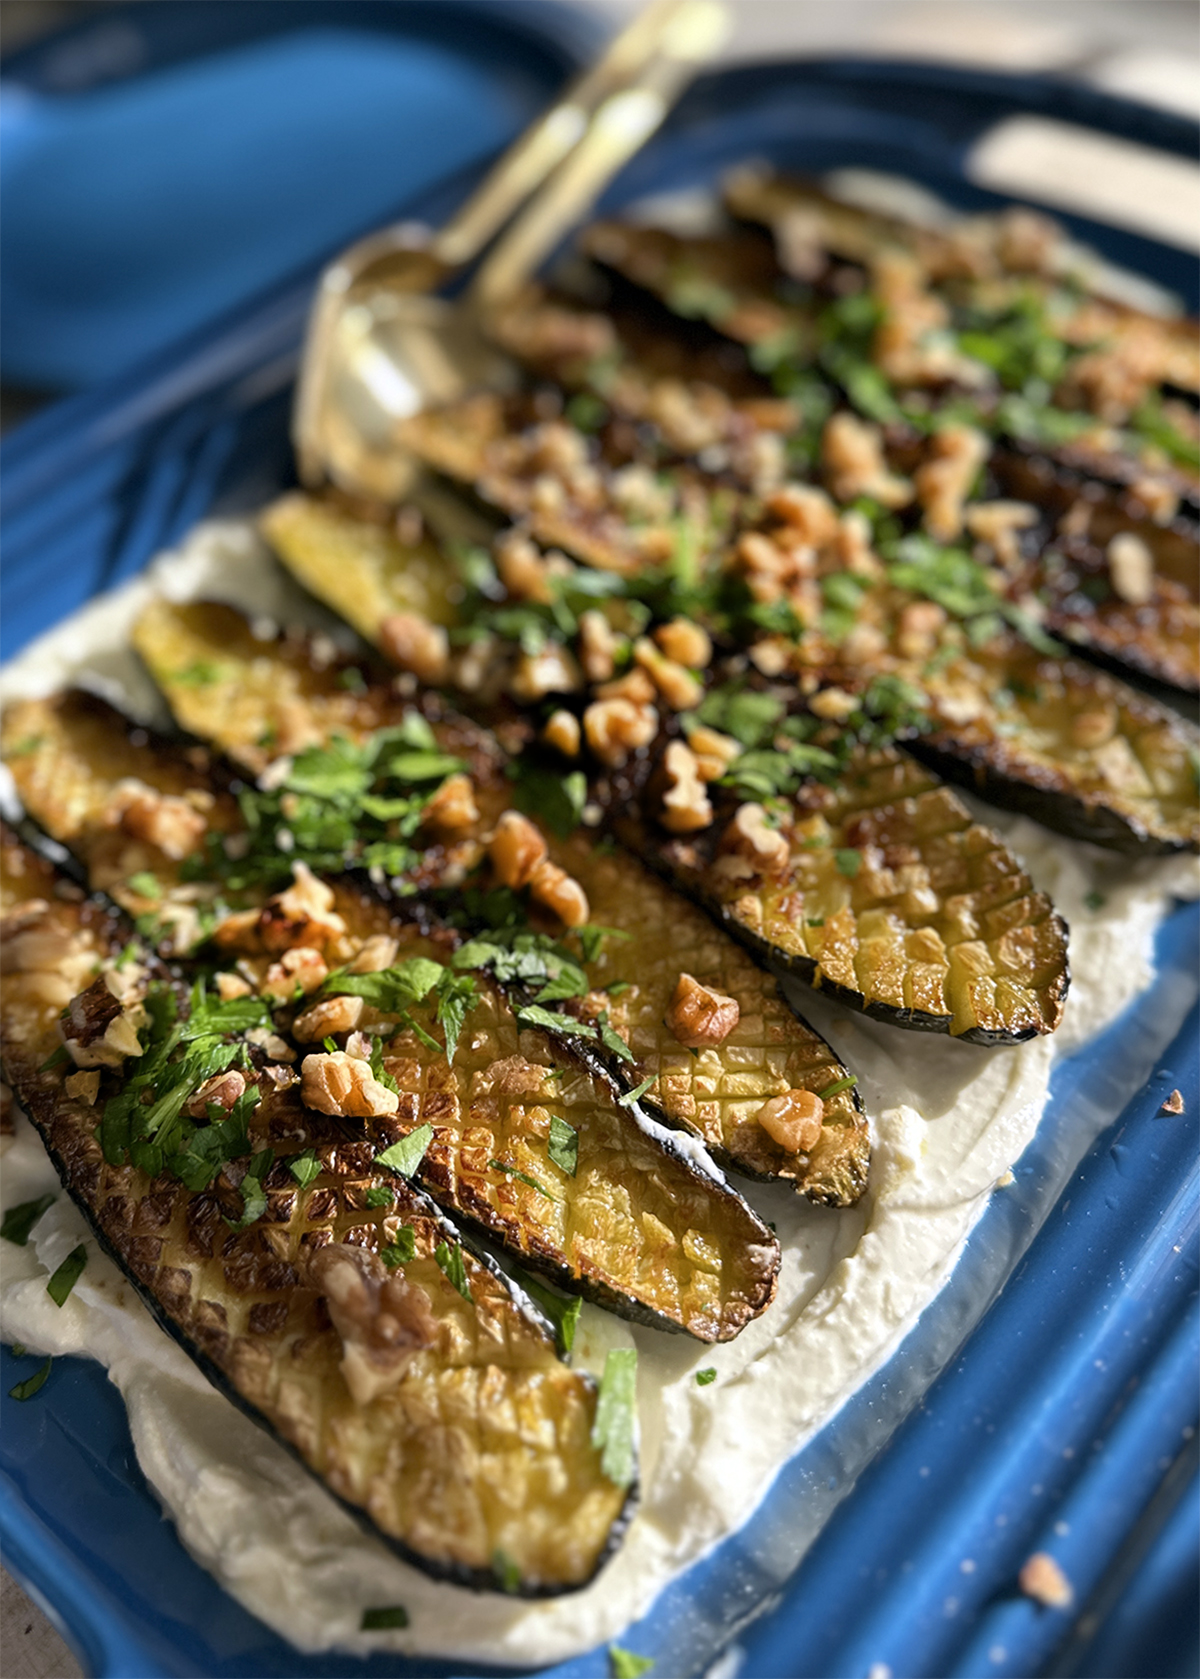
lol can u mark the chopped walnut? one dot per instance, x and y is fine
(221, 1091)
(597, 646)
(101, 1027)
(174, 825)
(808, 511)
(833, 704)
(555, 888)
(685, 804)
(997, 524)
(1160, 499)
(338, 1083)
(700, 1017)
(684, 642)
(944, 481)
(230, 986)
(676, 684)
(750, 838)
(516, 848)
(522, 569)
(921, 622)
(562, 732)
(376, 953)
(1042, 1579)
(83, 1087)
(327, 1019)
(615, 729)
(552, 671)
(270, 1043)
(1173, 1104)
(452, 808)
(415, 644)
(302, 915)
(852, 456)
(383, 1319)
(1131, 568)
(793, 1120)
(302, 968)
(635, 685)
(714, 751)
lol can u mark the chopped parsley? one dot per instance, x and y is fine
(449, 1256)
(254, 1195)
(626, 1664)
(405, 1156)
(379, 1620)
(636, 1094)
(401, 1248)
(522, 1177)
(704, 1377)
(846, 1083)
(563, 1147)
(67, 1275)
(614, 1431)
(848, 862)
(18, 1222)
(380, 1195)
(305, 1167)
(506, 1571)
(1095, 900)
(393, 990)
(32, 1384)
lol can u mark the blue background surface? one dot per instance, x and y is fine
(1073, 1405)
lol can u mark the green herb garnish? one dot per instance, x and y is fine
(67, 1275)
(624, 1664)
(405, 1156)
(305, 1167)
(615, 1428)
(32, 1384)
(19, 1221)
(449, 1256)
(704, 1377)
(563, 1147)
(401, 1249)
(379, 1620)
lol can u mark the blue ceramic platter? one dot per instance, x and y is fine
(1065, 1420)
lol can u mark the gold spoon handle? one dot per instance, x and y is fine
(542, 147)
(692, 34)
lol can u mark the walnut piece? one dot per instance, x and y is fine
(555, 888)
(751, 839)
(1131, 567)
(415, 644)
(452, 808)
(562, 733)
(1042, 1579)
(616, 729)
(222, 1091)
(674, 681)
(793, 1120)
(685, 643)
(341, 1084)
(83, 1087)
(383, 1319)
(685, 805)
(327, 1019)
(1173, 1104)
(700, 1017)
(516, 848)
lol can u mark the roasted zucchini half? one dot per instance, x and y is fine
(718, 1096)
(322, 1292)
(1075, 749)
(882, 891)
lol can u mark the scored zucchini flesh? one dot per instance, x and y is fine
(472, 1456)
(641, 1228)
(884, 892)
(716, 1096)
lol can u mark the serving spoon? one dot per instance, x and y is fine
(382, 344)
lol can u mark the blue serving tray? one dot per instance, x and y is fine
(1065, 1420)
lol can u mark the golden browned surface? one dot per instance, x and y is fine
(380, 574)
(484, 1445)
(718, 1092)
(639, 1228)
(716, 1097)
(258, 699)
(893, 899)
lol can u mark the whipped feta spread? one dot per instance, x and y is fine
(948, 1121)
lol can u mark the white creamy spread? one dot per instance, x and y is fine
(948, 1120)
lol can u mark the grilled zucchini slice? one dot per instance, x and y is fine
(883, 892)
(641, 1226)
(470, 1451)
(718, 1096)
